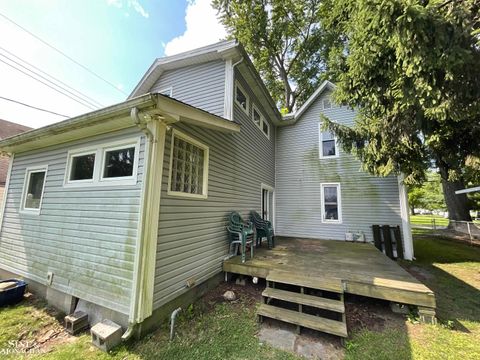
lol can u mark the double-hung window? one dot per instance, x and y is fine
(260, 121)
(328, 147)
(106, 164)
(33, 189)
(188, 167)
(331, 203)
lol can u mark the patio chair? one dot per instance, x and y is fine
(264, 229)
(240, 233)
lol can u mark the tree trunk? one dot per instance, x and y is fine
(457, 205)
(412, 209)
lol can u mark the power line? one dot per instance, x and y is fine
(94, 102)
(33, 107)
(62, 53)
(82, 101)
(44, 83)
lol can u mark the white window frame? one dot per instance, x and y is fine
(168, 90)
(320, 145)
(327, 98)
(238, 86)
(99, 165)
(262, 120)
(26, 183)
(206, 155)
(339, 202)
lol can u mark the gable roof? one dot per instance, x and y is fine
(225, 49)
(292, 118)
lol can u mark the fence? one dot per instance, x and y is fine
(466, 227)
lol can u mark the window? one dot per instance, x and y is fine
(331, 203)
(327, 103)
(102, 165)
(241, 97)
(260, 121)
(328, 144)
(82, 167)
(188, 167)
(33, 189)
(119, 162)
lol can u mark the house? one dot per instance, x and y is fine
(7, 129)
(123, 210)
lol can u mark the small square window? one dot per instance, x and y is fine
(257, 118)
(266, 128)
(119, 163)
(260, 121)
(241, 98)
(33, 190)
(188, 167)
(82, 167)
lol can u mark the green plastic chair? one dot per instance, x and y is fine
(264, 228)
(240, 233)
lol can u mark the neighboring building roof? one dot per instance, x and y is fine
(226, 49)
(8, 129)
(469, 190)
(115, 117)
(292, 118)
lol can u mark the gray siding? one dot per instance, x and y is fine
(366, 199)
(192, 239)
(86, 236)
(201, 85)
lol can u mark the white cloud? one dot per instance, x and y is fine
(202, 28)
(129, 4)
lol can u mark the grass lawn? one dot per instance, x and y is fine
(427, 220)
(214, 329)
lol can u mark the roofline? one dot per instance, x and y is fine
(292, 118)
(154, 103)
(469, 190)
(221, 48)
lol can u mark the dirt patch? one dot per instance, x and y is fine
(50, 335)
(370, 314)
(419, 273)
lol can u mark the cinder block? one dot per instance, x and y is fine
(76, 322)
(106, 335)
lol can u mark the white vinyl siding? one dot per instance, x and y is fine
(366, 199)
(86, 236)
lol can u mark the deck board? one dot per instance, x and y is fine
(363, 269)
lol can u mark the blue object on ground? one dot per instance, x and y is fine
(12, 295)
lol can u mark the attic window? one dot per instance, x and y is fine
(260, 121)
(241, 97)
(327, 103)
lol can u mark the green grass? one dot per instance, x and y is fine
(452, 271)
(218, 330)
(427, 220)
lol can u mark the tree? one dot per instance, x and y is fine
(285, 40)
(428, 195)
(412, 69)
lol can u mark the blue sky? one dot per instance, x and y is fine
(117, 39)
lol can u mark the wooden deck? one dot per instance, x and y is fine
(361, 268)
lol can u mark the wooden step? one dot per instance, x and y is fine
(314, 282)
(309, 321)
(304, 299)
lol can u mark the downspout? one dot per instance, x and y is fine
(138, 283)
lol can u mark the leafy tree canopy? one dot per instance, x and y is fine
(428, 195)
(412, 69)
(285, 40)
